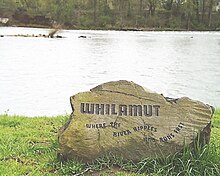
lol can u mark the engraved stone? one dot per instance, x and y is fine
(125, 119)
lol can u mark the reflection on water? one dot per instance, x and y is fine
(38, 75)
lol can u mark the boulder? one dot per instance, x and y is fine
(127, 120)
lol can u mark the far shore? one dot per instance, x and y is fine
(110, 28)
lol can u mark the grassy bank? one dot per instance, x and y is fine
(28, 147)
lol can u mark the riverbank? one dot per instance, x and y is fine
(113, 14)
(28, 147)
(63, 27)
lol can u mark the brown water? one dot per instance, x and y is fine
(38, 75)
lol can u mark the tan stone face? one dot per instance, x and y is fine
(124, 119)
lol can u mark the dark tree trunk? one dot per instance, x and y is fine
(152, 7)
(188, 22)
(94, 10)
(210, 13)
(171, 8)
(203, 10)
(196, 3)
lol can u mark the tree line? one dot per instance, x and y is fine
(115, 14)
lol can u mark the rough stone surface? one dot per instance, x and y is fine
(123, 124)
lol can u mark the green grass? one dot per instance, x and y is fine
(28, 147)
(216, 119)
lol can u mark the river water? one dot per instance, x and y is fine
(38, 75)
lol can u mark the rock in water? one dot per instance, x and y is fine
(125, 119)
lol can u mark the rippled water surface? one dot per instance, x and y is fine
(38, 75)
